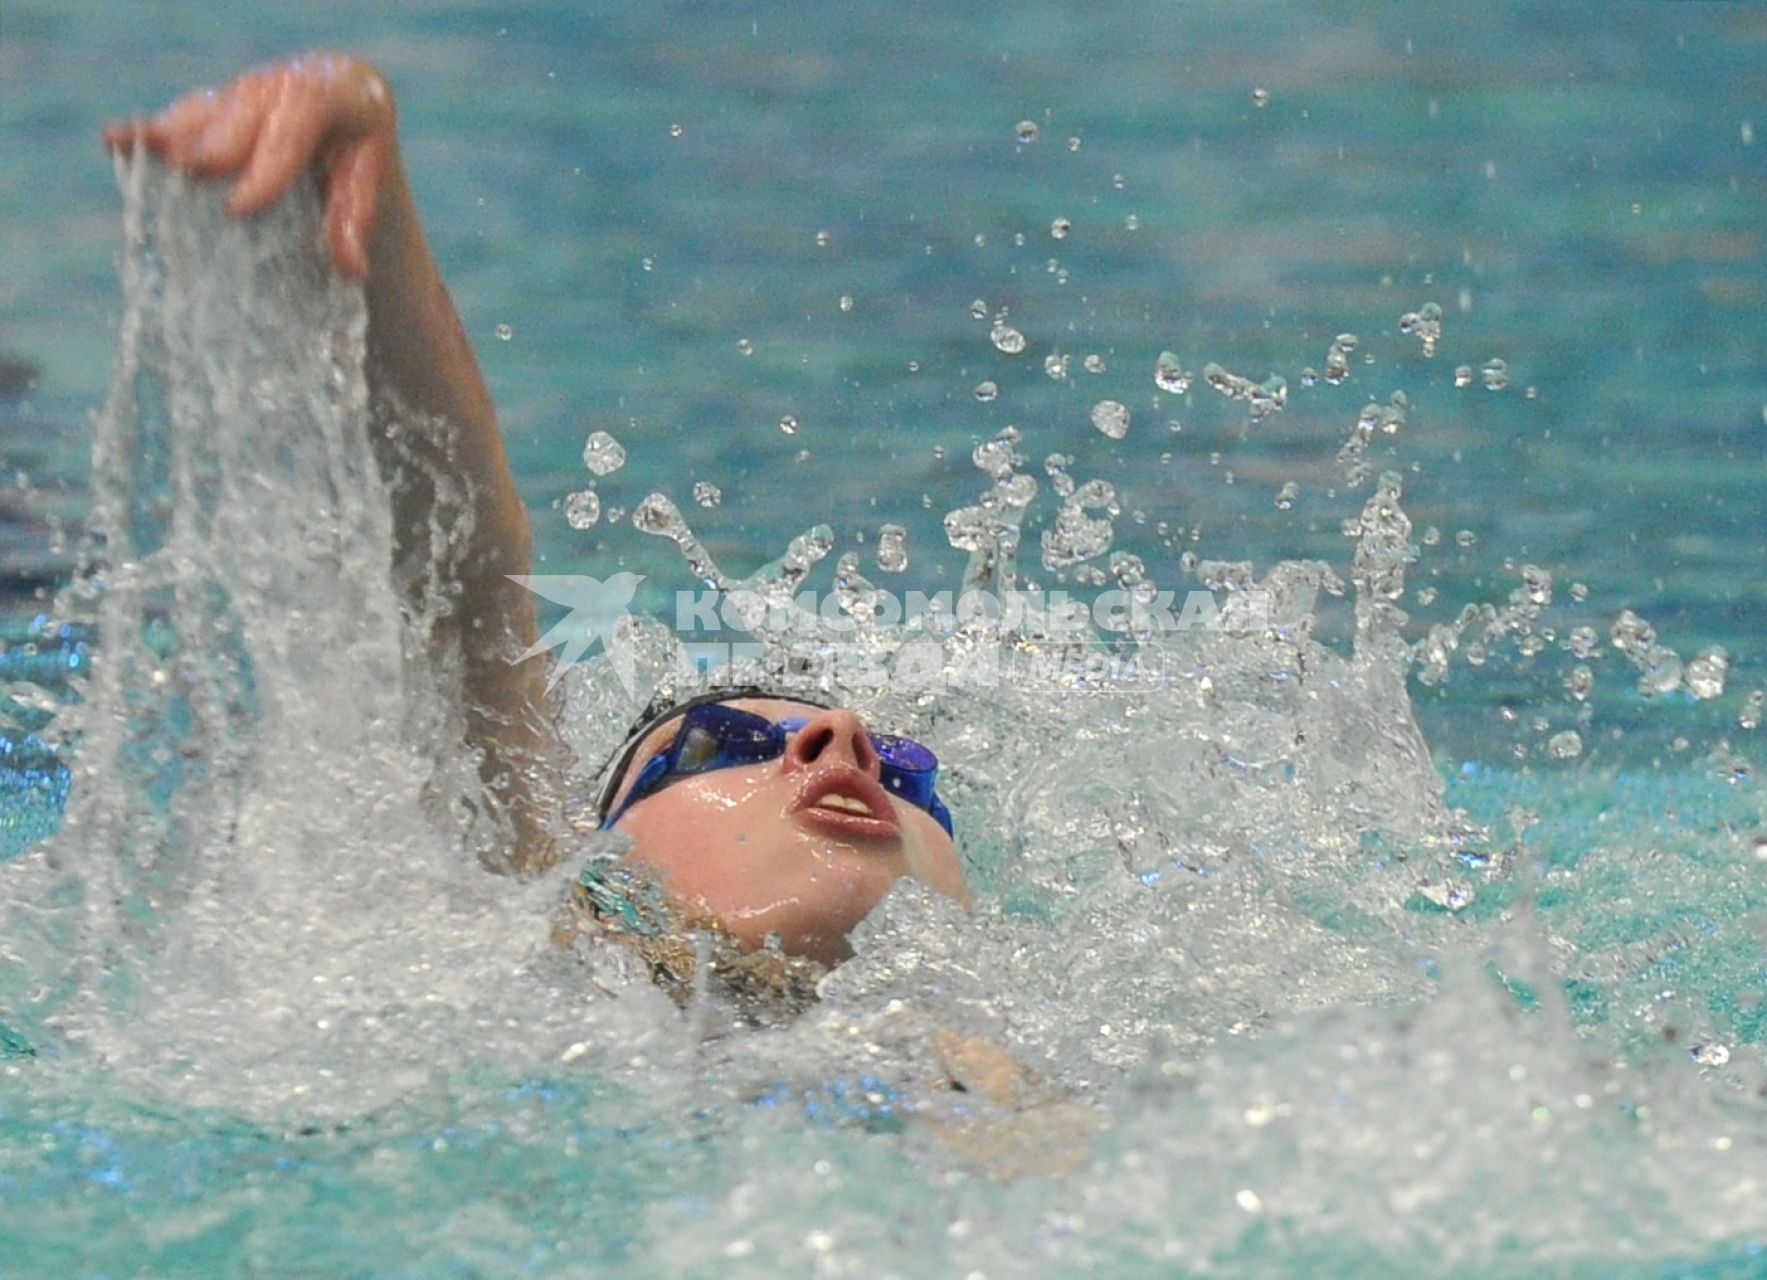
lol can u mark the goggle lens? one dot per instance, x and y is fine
(714, 736)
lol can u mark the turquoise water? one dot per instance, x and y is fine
(1582, 196)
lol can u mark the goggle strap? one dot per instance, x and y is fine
(654, 771)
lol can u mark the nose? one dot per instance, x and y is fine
(834, 736)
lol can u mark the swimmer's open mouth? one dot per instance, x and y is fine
(844, 801)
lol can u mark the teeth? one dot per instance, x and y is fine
(846, 804)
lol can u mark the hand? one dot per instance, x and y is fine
(324, 110)
(1023, 1125)
(975, 1064)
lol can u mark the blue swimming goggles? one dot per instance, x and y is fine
(714, 735)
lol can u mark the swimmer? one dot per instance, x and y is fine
(763, 827)
(779, 824)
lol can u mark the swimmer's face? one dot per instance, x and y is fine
(774, 848)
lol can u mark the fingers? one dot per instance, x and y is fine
(174, 130)
(120, 135)
(294, 123)
(351, 204)
(227, 141)
(330, 112)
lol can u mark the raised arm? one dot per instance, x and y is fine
(334, 115)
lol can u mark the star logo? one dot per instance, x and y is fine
(596, 607)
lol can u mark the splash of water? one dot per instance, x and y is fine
(1219, 876)
(267, 891)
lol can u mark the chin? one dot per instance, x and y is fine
(823, 939)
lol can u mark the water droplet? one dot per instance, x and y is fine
(582, 510)
(846, 303)
(1111, 418)
(675, 131)
(1060, 228)
(789, 425)
(1706, 673)
(505, 332)
(1262, 399)
(1132, 222)
(1025, 131)
(1710, 1055)
(1463, 375)
(1631, 634)
(823, 239)
(1337, 358)
(744, 346)
(1565, 746)
(1466, 539)
(1425, 324)
(602, 454)
(1260, 97)
(986, 391)
(1093, 364)
(998, 456)
(970, 528)
(1752, 706)
(1055, 364)
(978, 310)
(1016, 491)
(1006, 338)
(657, 515)
(1495, 375)
(1056, 467)
(1076, 536)
(1169, 375)
(707, 494)
(1536, 585)
(1285, 496)
(892, 554)
(1074, 143)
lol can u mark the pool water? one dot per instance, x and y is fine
(1331, 1027)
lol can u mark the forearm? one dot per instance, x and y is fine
(419, 352)
(444, 436)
